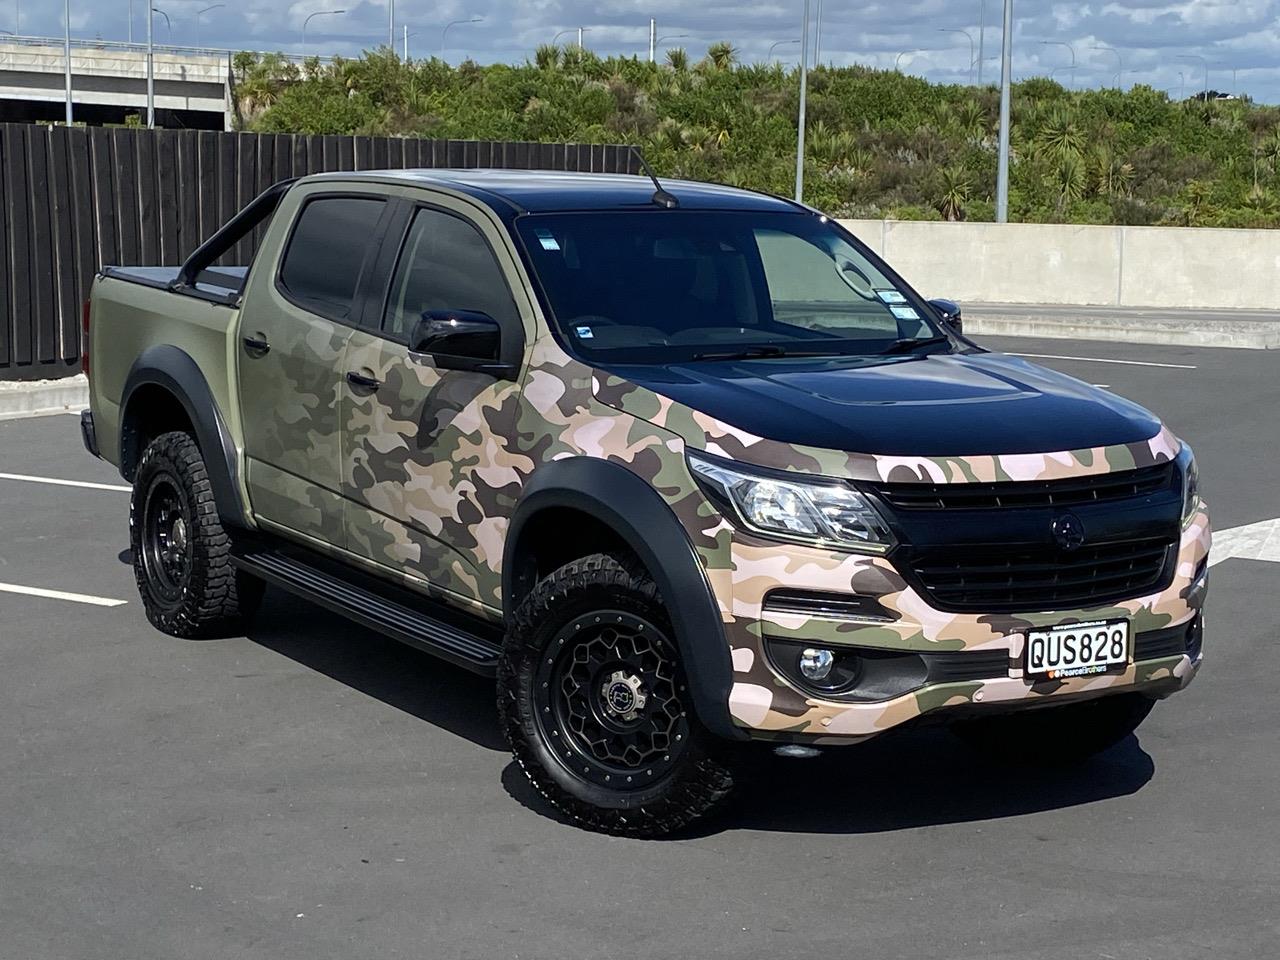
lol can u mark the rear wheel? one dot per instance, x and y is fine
(594, 703)
(1055, 736)
(181, 553)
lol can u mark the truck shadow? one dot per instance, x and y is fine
(915, 778)
(416, 683)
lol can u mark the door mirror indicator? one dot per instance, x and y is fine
(950, 313)
(461, 340)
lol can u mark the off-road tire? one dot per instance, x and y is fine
(1056, 736)
(200, 594)
(688, 783)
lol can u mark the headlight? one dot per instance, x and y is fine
(824, 512)
(1190, 486)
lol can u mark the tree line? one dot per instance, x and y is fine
(878, 143)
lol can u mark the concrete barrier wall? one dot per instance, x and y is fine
(1066, 264)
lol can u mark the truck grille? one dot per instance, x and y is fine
(1075, 491)
(992, 578)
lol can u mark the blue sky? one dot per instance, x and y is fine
(1156, 41)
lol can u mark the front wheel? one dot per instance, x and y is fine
(181, 553)
(1056, 736)
(593, 701)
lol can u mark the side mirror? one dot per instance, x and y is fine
(949, 310)
(461, 340)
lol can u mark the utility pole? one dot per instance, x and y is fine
(982, 39)
(817, 38)
(804, 92)
(406, 43)
(1006, 85)
(579, 38)
(66, 51)
(151, 70)
(653, 38)
(391, 24)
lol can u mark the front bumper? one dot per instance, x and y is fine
(928, 662)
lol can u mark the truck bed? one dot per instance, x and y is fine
(217, 282)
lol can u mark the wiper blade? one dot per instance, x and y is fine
(914, 343)
(760, 352)
(764, 351)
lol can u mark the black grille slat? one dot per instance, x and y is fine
(991, 577)
(1075, 491)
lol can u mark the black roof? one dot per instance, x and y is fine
(554, 190)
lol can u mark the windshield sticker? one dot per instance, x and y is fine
(548, 241)
(584, 333)
(905, 313)
(890, 296)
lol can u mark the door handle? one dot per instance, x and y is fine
(365, 383)
(256, 346)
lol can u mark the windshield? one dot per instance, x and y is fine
(668, 286)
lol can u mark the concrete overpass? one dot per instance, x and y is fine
(109, 82)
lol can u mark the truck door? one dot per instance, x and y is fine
(428, 470)
(293, 334)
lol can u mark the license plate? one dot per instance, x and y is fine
(1078, 650)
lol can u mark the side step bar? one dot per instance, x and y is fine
(370, 609)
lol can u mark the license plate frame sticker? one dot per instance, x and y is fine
(1079, 650)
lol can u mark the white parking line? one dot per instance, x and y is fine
(61, 595)
(66, 483)
(1128, 363)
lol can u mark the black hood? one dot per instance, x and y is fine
(944, 405)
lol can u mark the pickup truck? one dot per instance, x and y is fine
(680, 467)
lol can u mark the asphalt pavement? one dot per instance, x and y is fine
(314, 791)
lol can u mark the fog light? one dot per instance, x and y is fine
(816, 664)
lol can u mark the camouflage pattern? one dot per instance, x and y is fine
(431, 467)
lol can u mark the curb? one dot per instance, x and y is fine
(41, 398)
(1232, 334)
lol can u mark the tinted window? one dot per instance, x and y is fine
(667, 286)
(327, 250)
(446, 265)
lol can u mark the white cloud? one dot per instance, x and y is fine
(1150, 34)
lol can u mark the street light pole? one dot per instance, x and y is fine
(1119, 63)
(1193, 57)
(817, 35)
(201, 13)
(391, 25)
(1006, 87)
(970, 36)
(982, 39)
(318, 13)
(453, 23)
(777, 43)
(66, 51)
(1063, 43)
(581, 30)
(653, 38)
(168, 24)
(151, 70)
(804, 93)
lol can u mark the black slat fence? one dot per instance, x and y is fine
(76, 199)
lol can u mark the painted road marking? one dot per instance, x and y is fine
(66, 483)
(1256, 541)
(1128, 363)
(61, 595)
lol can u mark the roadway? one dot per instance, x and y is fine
(311, 790)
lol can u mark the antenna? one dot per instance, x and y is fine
(660, 196)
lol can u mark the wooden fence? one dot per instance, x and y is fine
(78, 198)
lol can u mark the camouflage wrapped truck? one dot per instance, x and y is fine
(679, 465)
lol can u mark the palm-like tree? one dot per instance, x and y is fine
(1060, 136)
(547, 56)
(722, 55)
(678, 59)
(956, 188)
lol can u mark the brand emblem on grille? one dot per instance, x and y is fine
(1068, 531)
